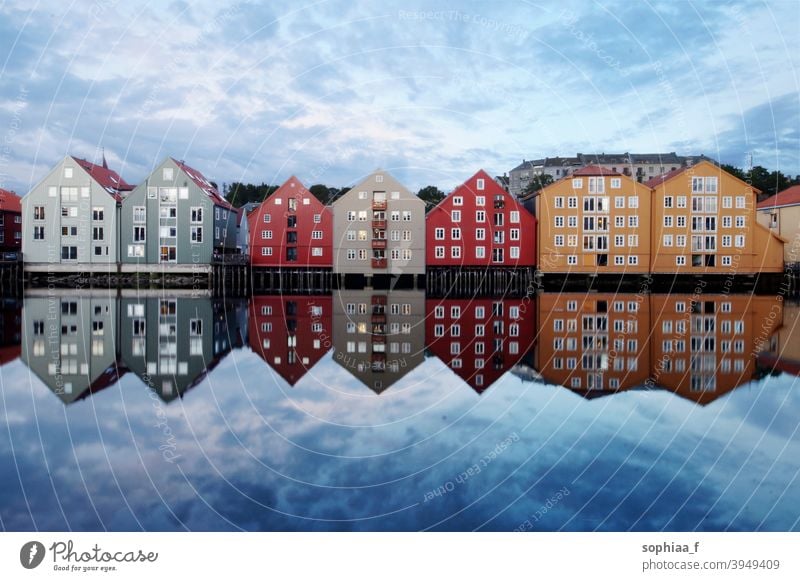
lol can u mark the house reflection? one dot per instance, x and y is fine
(10, 330)
(172, 343)
(480, 338)
(706, 346)
(782, 352)
(290, 332)
(70, 343)
(594, 344)
(378, 336)
(698, 346)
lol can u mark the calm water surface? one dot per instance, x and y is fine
(375, 410)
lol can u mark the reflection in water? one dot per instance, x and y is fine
(70, 343)
(480, 338)
(594, 344)
(240, 453)
(290, 332)
(10, 330)
(378, 336)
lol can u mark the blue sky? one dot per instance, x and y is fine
(432, 91)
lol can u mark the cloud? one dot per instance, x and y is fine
(254, 92)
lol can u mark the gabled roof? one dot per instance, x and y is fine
(108, 179)
(788, 197)
(204, 184)
(658, 180)
(670, 175)
(594, 170)
(9, 201)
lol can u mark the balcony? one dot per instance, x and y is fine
(378, 243)
(379, 224)
(379, 334)
(379, 299)
(379, 263)
(378, 320)
(378, 205)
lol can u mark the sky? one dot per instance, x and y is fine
(431, 91)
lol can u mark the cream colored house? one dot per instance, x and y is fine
(781, 214)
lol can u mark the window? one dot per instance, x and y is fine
(711, 185)
(740, 221)
(406, 216)
(316, 234)
(727, 202)
(480, 200)
(38, 232)
(619, 260)
(455, 233)
(513, 217)
(266, 251)
(38, 212)
(559, 221)
(197, 234)
(667, 221)
(667, 201)
(680, 260)
(619, 201)
(633, 221)
(559, 201)
(455, 216)
(572, 259)
(633, 260)
(697, 185)
(196, 215)
(439, 252)
(681, 221)
(69, 253)
(266, 234)
(740, 202)
(167, 174)
(458, 201)
(633, 202)
(577, 183)
(667, 239)
(480, 216)
(135, 251)
(514, 234)
(514, 251)
(438, 233)
(572, 202)
(68, 172)
(480, 252)
(616, 183)
(480, 183)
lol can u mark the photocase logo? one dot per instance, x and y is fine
(31, 554)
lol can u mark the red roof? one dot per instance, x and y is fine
(107, 178)
(9, 201)
(594, 170)
(658, 180)
(204, 184)
(788, 197)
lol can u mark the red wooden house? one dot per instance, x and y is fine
(480, 225)
(480, 338)
(10, 222)
(290, 332)
(291, 229)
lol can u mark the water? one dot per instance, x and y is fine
(369, 410)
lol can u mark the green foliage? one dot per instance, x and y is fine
(239, 194)
(769, 182)
(431, 195)
(537, 182)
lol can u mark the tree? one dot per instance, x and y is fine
(239, 194)
(537, 182)
(431, 195)
(321, 192)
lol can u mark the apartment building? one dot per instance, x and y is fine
(379, 228)
(10, 222)
(70, 218)
(703, 220)
(596, 221)
(781, 214)
(480, 225)
(291, 229)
